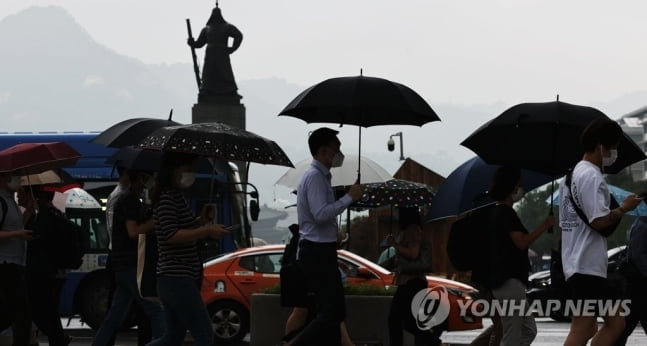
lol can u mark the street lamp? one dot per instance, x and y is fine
(391, 144)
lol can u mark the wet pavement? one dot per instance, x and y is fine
(549, 333)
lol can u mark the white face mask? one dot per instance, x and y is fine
(518, 194)
(338, 159)
(14, 183)
(608, 161)
(187, 179)
(149, 183)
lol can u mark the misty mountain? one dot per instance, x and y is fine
(56, 77)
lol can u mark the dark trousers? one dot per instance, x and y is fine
(636, 289)
(319, 263)
(401, 318)
(44, 290)
(14, 303)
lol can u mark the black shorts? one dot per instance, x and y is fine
(583, 286)
(597, 290)
(294, 287)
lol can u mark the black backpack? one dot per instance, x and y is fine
(68, 241)
(468, 240)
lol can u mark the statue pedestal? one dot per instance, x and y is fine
(230, 114)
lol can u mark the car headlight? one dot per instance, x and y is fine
(461, 293)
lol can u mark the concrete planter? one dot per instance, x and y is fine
(366, 319)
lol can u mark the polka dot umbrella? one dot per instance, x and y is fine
(395, 193)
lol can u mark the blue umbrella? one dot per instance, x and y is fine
(466, 188)
(617, 193)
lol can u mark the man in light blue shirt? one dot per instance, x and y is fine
(317, 212)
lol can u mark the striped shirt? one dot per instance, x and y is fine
(171, 214)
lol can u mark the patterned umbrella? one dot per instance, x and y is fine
(217, 140)
(396, 193)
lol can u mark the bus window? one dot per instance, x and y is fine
(100, 232)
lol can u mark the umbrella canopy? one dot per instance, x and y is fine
(42, 178)
(341, 176)
(543, 137)
(130, 132)
(396, 193)
(362, 101)
(618, 193)
(31, 158)
(466, 188)
(216, 140)
(150, 161)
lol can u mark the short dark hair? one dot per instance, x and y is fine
(164, 178)
(504, 181)
(408, 216)
(601, 130)
(320, 138)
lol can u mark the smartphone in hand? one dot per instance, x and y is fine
(233, 228)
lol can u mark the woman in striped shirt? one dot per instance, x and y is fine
(179, 268)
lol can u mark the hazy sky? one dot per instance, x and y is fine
(449, 51)
(462, 52)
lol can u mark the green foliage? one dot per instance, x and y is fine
(533, 210)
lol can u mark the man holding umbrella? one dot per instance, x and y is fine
(317, 254)
(586, 219)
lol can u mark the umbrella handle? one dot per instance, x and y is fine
(550, 211)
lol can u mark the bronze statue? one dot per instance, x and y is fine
(218, 82)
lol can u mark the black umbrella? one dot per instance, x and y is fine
(362, 101)
(396, 193)
(150, 161)
(466, 188)
(543, 137)
(216, 140)
(131, 131)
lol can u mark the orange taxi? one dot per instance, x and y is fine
(230, 280)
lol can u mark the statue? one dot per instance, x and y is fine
(218, 82)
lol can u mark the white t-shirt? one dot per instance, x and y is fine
(584, 250)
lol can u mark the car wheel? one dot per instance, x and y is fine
(230, 321)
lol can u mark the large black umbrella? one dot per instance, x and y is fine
(131, 131)
(150, 161)
(543, 137)
(362, 101)
(216, 140)
(466, 188)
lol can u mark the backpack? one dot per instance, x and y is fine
(68, 241)
(468, 239)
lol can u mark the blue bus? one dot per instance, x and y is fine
(86, 291)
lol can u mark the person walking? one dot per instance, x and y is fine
(128, 222)
(179, 267)
(586, 219)
(14, 302)
(317, 212)
(637, 281)
(509, 254)
(44, 279)
(295, 295)
(409, 282)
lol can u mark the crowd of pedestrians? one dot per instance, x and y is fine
(312, 284)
